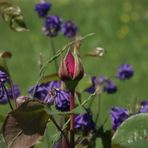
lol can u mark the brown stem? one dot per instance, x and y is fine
(72, 120)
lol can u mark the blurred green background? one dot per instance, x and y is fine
(121, 28)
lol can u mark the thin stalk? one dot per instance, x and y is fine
(8, 97)
(62, 121)
(72, 138)
(54, 53)
(58, 127)
(13, 91)
(99, 108)
(64, 142)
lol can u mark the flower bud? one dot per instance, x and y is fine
(71, 67)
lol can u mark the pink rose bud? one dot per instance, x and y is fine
(71, 67)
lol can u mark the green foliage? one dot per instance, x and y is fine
(133, 132)
(24, 126)
(12, 14)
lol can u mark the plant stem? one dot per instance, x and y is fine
(99, 109)
(72, 120)
(8, 97)
(64, 142)
(54, 53)
(13, 91)
(58, 127)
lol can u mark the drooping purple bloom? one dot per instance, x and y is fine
(69, 29)
(3, 96)
(110, 87)
(43, 90)
(84, 122)
(62, 100)
(96, 81)
(3, 76)
(125, 71)
(144, 107)
(16, 91)
(42, 8)
(118, 115)
(92, 88)
(52, 25)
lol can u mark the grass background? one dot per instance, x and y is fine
(120, 27)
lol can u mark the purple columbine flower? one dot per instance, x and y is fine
(92, 88)
(96, 81)
(3, 76)
(3, 96)
(144, 107)
(42, 8)
(69, 29)
(52, 25)
(110, 87)
(118, 115)
(84, 122)
(62, 100)
(16, 91)
(42, 90)
(125, 71)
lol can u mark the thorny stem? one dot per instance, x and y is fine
(54, 53)
(72, 120)
(8, 97)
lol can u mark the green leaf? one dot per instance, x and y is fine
(133, 132)
(84, 83)
(48, 78)
(24, 126)
(12, 14)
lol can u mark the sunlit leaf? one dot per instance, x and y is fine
(48, 78)
(133, 132)
(24, 126)
(5, 54)
(3, 65)
(97, 52)
(12, 14)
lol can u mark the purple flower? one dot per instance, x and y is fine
(125, 71)
(144, 107)
(69, 29)
(16, 91)
(50, 93)
(95, 82)
(110, 87)
(118, 115)
(52, 25)
(62, 100)
(3, 96)
(3, 76)
(43, 90)
(84, 122)
(42, 8)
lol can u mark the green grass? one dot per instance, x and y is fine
(120, 27)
